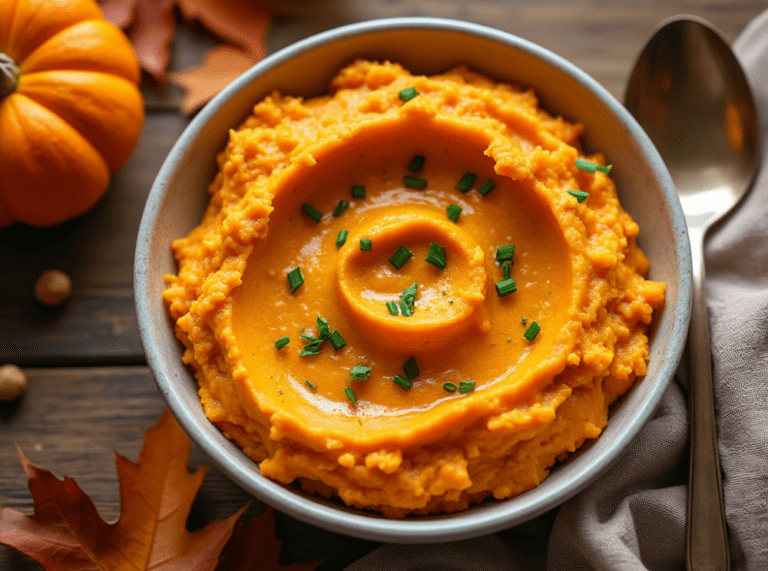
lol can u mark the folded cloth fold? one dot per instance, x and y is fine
(633, 517)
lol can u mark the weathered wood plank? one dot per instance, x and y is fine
(98, 323)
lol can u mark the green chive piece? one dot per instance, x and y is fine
(506, 266)
(407, 299)
(414, 182)
(336, 340)
(392, 307)
(400, 257)
(366, 244)
(340, 208)
(590, 167)
(411, 368)
(351, 395)
(341, 238)
(532, 331)
(466, 182)
(358, 191)
(505, 287)
(323, 328)
(524, 320)
(310, 384)
(312, 212)
(282, 342)
(295, 279)
(486, 187)
(402, 382)
(453, 212)
(450, 387)
(505, 252)
(580, 195)
(436, 255)
(408, 93)
(417, 163)
(360, 373)
(310, 350)
(466, 387)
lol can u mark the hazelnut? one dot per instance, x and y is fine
(13, 382)
(53, 287)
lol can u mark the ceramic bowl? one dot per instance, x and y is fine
(425, 46)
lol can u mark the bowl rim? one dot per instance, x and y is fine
(473, 522)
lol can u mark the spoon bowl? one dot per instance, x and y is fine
(691, 96)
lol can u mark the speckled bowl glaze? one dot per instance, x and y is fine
(423, 45)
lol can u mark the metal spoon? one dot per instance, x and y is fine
(690, 94)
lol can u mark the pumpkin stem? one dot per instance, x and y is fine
(9, 75)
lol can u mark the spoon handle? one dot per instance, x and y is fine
(707, 537)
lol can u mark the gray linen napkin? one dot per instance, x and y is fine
(633, 517)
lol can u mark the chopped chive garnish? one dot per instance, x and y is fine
(505, 287)
(411, 368)
(486, 187)
(505, 252)
(295, 279)
(312, 212)
(323, 329)
(400, 257)
(359, 373)
(366, 244)
(340, 208)
(466, 182)
(392, 307)
(590, 167)
(466, 387)
(450, 387)
(414, 182)
(310, 384)
(416, 164)
(282, 342)
(453, 212)
(505, 268)
(532, 331)
(436, 255)
(341, 238)
(580, 195)
(310, 350)
(524, 320)
(336, 340)
(351, 395)
(402, 382)
(358, 191)
(408, 93)
(407, 299)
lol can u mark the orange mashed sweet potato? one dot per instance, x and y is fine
(353, 331)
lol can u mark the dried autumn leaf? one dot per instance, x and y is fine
(119, 12)
(66, 532)
(242, 24)
(150, 25)
(243, 553)
(221, 64)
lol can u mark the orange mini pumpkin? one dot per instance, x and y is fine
(70, 109)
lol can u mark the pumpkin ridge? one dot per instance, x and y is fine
(90, 45)
(105, 109)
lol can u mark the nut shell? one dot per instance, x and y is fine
(13, 382)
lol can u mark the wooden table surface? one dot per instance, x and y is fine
(89, 390)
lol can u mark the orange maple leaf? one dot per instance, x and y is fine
(221, 64)
(243, 553)
(151, 25)
(66, 532)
